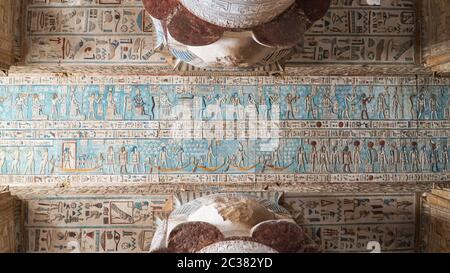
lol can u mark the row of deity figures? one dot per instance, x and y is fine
(381, 157)
(348, 158)
(309, 157)
(39, 161)
(72, 106)
(31, 161)
(36, 160)
(387, 104)
(320, 102)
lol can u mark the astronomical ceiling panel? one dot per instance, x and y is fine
(120, 31)
(225, 130)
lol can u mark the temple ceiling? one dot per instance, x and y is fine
(107, 37)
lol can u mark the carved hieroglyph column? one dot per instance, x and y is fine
(436, 34)
(7, 232)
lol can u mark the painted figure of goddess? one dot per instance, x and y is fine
(434, 105)
(110, 160)
(15, 161)
(323, 160)
(111, 107)
(44, 162)
(415, 158)
(313, 157)
(445, 158)
(139, 104)
(347, 160)
(335, 159)
(2, 160)
(423, 158)
(68, 158)
(395, 104)
(302, 160)
(123, 160)
(136, 160)
(29, 167)
(290, 100)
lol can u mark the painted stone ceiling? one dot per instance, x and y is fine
(84, 32)
(127, 224)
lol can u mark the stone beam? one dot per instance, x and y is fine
(436, 221)
(436, 35)
(7, 234)
(10, 16)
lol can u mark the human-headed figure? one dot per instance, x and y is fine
(372, 155)
(394, 156)
(240, 156)
(335, 158)
(382, 157)
(210, 154)
(404, 159)
(421, 106)
(253, 103)
(323, 159)
(44, 162)
(139, 103)
(123, 160)
(91, 110)
(180, 155)
(414, 157)
(347, 159)
(15, 164)
(136, 159)
(67, 158)
(395, 103)
(21, 103)
(434, 105)
(290, 100)
(365, 100)
(313, 156)
(163, 157)
(2, 160)
(276, 157)
(309, 103)
(434, 157)
(357, 155)
(110, 160)
(424, 160)
(302, 159)
(382, 106)
(111, 107)
(445, 158)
